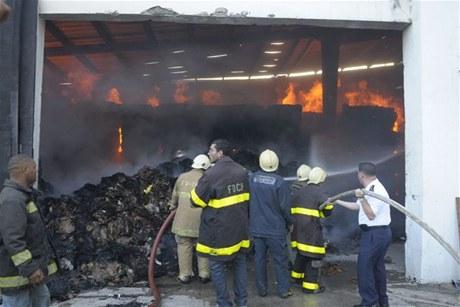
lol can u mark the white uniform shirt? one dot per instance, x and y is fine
(380, 208)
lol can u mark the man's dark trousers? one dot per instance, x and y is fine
(372, 283)
(240, 280)
(278, 251)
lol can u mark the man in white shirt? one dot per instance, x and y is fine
(374, 220)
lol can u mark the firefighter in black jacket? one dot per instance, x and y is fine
(307, 236)
(25, 254)
(223, 193)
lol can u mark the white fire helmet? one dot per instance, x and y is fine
(317, 175)
(303, 172)
(201, 162)
(268, 161)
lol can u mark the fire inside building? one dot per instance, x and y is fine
(127, 102)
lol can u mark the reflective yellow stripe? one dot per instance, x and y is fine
(21, 257)
(222, 251)
(197, 200)
(329, 207)
(304, 211)
(31, 208)
(229, 201)
(296, 275)
(310, 285)
(308, 248)
(18, 281)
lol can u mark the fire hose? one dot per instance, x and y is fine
(153, 253)
(406, 212)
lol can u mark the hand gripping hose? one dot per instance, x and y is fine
(406, 212)
(153, 253)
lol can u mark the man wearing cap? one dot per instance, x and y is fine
(374, 220)
(269, 221)
(187, 221)
(25, 254)
(307, 237)
(223, 193)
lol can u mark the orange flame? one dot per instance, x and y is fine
(153, 100)
(210, 97)
(311, 100)
(120, 140)
(180, 95)
(113, 96)
(82, 85)
(290, 97)
(363, 96)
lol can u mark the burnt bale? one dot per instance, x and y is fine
(103, 233)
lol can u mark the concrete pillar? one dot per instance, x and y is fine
(330, 65)
(432, 107)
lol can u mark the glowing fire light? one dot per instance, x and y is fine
(113, 96)
(363, 97)
(153, 100)
(120, 140)
(209, 97)
(290, 95)
(80, 86)
(311, 100)
(180, 95)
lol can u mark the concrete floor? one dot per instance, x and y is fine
(339, 278)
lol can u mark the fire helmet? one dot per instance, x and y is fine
(268, 161)
(303, 172)
(317, 175)
(201, 162)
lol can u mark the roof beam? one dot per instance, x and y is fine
(106, 35)
(69, 46)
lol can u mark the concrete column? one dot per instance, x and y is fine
(432, 107)
(330, 65)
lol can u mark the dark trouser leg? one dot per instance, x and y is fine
(384, 238)
(260, 248)
(366, 264)
(310, 282)
(278, 251)
(240, 279)
(220, 283)
(300, 263)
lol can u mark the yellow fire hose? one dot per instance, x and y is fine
(406, 212)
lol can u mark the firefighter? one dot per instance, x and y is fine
(187, 221)
(302, 180)
(306, 237)
(302, 177)
(223, 193)
(25, 254)
(269, 220)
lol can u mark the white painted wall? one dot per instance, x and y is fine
(309, 9)
(432, 106)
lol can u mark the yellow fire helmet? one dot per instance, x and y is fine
(303, 172)
(268, 161)
(201, 161)
(317, 175)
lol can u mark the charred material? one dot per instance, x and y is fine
(102, 233)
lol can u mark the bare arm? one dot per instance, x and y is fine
(347, 204)
(367, 209)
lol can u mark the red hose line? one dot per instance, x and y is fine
(153, 252)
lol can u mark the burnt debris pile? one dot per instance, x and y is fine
(103, 233)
